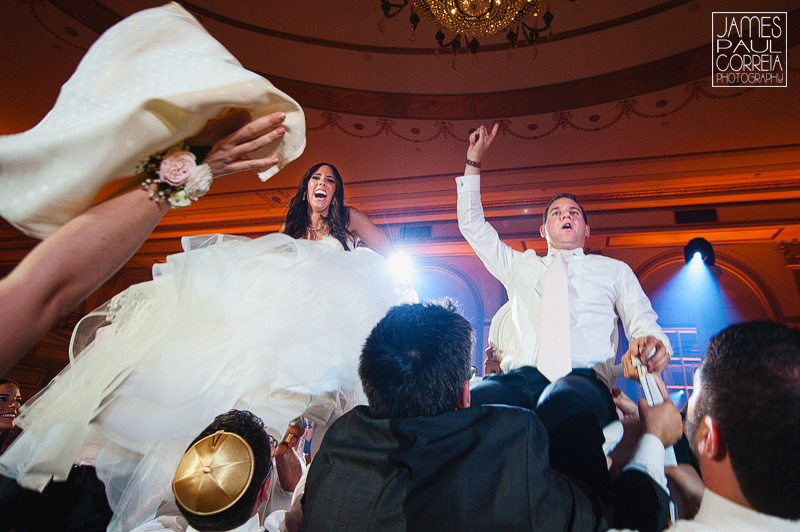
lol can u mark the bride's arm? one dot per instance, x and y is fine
(69, 265)
(374, 238)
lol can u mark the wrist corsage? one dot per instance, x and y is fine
(174, 175)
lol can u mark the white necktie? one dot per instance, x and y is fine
(555, 356)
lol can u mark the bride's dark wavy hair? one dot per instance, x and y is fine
(297, 218)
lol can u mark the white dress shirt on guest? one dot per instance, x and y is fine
(272, 513)
(601, 290)
(718, 514)
(176, 523)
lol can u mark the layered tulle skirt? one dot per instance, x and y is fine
(273, 325)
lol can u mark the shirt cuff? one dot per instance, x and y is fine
(649, 459)
(468, 183)
(607, 372)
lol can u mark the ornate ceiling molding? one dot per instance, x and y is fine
(621, 85)
(791, 253)
(628, 108)
(91, 13)
(624, 84)
(95, 15)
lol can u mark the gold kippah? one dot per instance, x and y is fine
(214, 473)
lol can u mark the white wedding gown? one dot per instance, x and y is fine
(274, 325)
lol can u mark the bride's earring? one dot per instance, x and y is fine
(304, 196)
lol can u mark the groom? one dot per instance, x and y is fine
(596, 292)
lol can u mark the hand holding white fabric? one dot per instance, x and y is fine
(149, 82)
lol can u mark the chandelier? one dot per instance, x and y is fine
(474, 18)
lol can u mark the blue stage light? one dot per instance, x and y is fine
(699, 247)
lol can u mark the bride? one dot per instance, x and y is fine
(317, 210)
(272, 325)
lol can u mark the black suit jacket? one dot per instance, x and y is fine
(482, 468)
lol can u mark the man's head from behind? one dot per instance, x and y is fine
(416, 360)
(221, 478)
(746, 407)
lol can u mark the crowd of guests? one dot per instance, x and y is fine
(528, 447)
(420, 457)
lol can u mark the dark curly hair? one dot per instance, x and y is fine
(251, 429)
(338, 219)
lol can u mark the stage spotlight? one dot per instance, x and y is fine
(679, 399)
(699, 248)
(401, 266)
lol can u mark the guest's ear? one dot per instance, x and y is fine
(464, 397)
(710, 442)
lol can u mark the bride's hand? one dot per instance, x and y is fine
(233, 137)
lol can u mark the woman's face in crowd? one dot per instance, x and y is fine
(320, 191)
(10, 400)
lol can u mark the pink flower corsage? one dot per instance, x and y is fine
(175, 176)
(177, 167)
